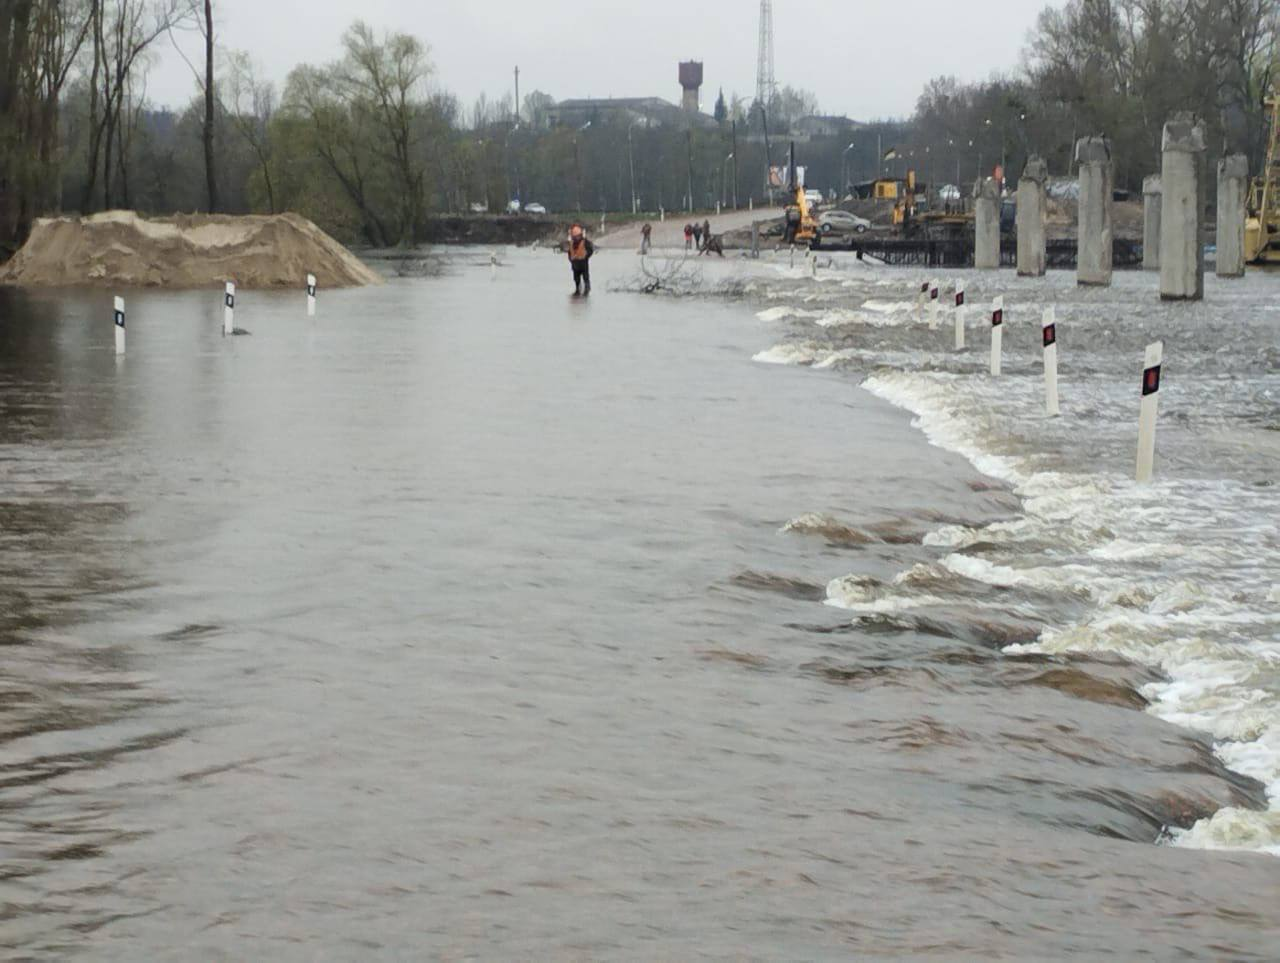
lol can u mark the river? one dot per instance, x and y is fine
(468, 620)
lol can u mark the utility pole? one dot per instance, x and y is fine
(631, 159)
(517, 96)
(733, 126)
(768, 165)
(689, 137)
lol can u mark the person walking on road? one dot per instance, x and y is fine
(688, 237)
(580, 251)
(645, 238)
(697, 236)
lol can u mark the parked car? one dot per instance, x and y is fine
(843, 221)
(513, 207)
(479, 207)
(813, 197)
(534, 208)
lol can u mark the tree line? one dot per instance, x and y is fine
(1115, 67)
(370, 145)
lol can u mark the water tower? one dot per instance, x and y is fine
(691, 81)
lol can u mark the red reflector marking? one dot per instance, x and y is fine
(1050, 334)
(1150, 381)
(997, 317)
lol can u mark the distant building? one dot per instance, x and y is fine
(650, 111)
(818, 125)
(624, 111)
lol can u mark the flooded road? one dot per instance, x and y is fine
(469, 621)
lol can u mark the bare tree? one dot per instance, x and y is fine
(121, 30)
(39, 44)
(340, 137)
(388, 77)
(250, 104)
(209, 171)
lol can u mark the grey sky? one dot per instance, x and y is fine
(864, 58)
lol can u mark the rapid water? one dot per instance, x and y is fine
(469, 621)
(1182, 574)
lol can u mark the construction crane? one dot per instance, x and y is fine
(1262, 227)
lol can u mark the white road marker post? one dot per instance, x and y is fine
(118, 314)
(997, 335)
(1147, 418)
(311, 295)
(1049, 325)
(229, 310)
(493, 265)
(959, 315)
(933, 304)
(920, 299)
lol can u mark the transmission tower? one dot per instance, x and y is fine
(764, 65)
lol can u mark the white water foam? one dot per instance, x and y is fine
(1169, 587)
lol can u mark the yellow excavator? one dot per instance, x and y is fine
(1262, 226)
(802, 226)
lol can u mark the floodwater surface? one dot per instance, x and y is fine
(469, 620)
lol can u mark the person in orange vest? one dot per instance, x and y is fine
(580, 251)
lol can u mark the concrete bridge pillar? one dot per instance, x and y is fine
(1233, 189)
(986, 224)
(1093, 253)
(1031, 215)
(1152, 196)
(1182, 210)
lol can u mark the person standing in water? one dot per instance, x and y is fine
(580, 251)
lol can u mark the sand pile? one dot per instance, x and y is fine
(120, 249)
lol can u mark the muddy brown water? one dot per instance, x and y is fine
(466, 620)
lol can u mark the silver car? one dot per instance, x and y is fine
(844, 222)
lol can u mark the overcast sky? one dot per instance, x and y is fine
(864, 58)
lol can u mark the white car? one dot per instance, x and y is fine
(479, 207)
(813, 198)
(534, 208)
(843, 221)
(513, 207)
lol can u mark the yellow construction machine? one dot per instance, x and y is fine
(802, 226)
(1262, 226)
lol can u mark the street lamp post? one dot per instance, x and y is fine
(689, 145)
(733, 126)
(844, 175)
(724, 171)
(631, 160)
(577, 168)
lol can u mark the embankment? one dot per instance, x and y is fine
(122, 249)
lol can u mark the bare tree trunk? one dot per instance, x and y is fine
(95, 126)
(210, 178)
(109, 138)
